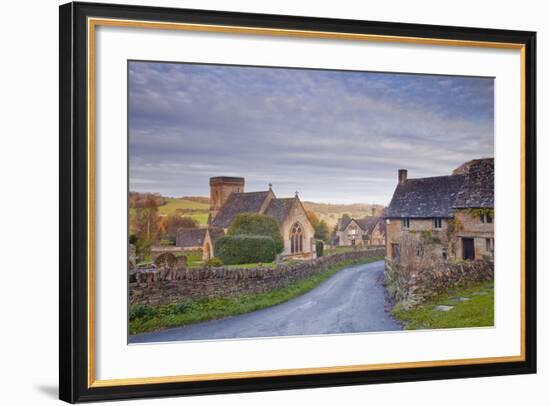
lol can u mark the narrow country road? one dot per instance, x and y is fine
(351, 301)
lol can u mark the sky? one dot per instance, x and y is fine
(333, 136)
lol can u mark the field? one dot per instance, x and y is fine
(197, 207)
(186, 206)
(332, 212)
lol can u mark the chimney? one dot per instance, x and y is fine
(402, 175)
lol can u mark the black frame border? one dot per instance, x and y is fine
(73, 198)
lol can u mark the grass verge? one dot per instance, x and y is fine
(478, 311)
(144, 318)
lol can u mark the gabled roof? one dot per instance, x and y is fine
(470, 185)
(367, 223)
(237, 203)
(425, 197)
(279, 208)
(215, 233)
(190, 237)
(343, 222)
(478, 190)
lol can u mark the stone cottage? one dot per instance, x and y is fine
(369, 231)
(228, 199)
(454, 213)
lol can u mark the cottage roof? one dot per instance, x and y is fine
(470, 185)
(237, 203)
(279, 208)
(478, 189)
(425, 197)
(367, 223)
(190, 237)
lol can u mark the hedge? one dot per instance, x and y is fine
(257, 224)
(245, 249)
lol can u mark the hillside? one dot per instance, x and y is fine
(198, 206)
(332, 212)
(193, 207)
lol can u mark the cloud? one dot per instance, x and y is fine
(332, 135)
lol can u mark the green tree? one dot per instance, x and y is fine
(175, 222)
(146, 226)
(257, 225)
(322, 231)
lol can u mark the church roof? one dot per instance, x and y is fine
(237, 203)
(190, 237)
(215, 233)
(279, 208)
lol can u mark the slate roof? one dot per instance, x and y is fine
(425, 197)
(471, 185)
(279, 208)
(215, 233)
(237, 203)
(367, 223)
(478, 189)
(343, 223)
(190, 237)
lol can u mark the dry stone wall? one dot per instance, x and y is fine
(165, 285)
(412, 288)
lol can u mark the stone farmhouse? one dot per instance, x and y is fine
(228, 199)
(366, 231)
(454, 213)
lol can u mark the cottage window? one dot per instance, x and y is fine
(405, 222)
(296, 238)
(437, 222)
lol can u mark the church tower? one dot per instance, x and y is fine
(220, 189)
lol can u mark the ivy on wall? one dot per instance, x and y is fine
(483, 211)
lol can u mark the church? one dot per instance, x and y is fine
(228, 199)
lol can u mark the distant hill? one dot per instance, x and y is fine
(332, 212)
(198, 207)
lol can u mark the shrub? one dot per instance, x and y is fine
(140, 311)
(182, 307)
(245, 249)
(133, 239)
(257, 224)
(319, 248)
(214, 262)
(166, 259)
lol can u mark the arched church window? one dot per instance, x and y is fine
(296, 238)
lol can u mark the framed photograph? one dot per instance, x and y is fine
(258, 202)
